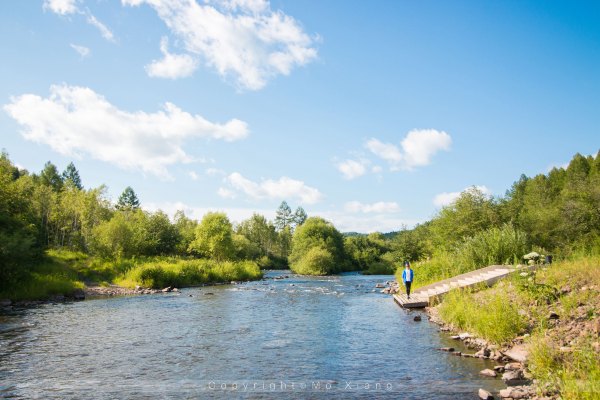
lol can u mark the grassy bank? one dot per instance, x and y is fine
(564, 352)
(62, 272)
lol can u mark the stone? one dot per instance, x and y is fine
(505, 393)
(5, 302)
(138, 288)
(485, 395)
(464, 336)
(518, 353)
(417, 318)
(78, 294)
(455, 337)
(553, 315)
(457, 353)
(208, 294)
(513, 378)
(175, 290)
(167, 289)
(513, 366)
(499, 368)
(488, 372)
(449, 349)
(379, 286)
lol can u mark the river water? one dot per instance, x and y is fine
(299, 337)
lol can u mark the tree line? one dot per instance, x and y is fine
(557, 212)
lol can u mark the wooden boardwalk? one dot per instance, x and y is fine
(422, 296)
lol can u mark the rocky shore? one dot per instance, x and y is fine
(511, 363)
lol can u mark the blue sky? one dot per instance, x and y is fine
(371, 114)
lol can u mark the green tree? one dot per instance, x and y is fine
(283, 216)
(260, 232)
(71, 176)
(300, 216)
(317, 233)
(186, 229)
(162, 237)
(128, 200)
(214, 237)
(50, 177)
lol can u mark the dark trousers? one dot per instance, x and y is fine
(407, 284)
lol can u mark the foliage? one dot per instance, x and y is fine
(214, 237)
(366, 251)
(317, 233)
(70, 177)
(491, 315)
(128, 200)
(180, 273)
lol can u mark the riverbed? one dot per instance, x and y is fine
(296, 337)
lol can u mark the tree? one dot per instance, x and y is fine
(71, 176)
(214, 237)
(299, 216)
(317, 233)
(283, 216)
(128, 200)
(162, 237)
(50, 177)
(260, 232)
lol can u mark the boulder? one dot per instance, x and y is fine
(499, 368)
(519, 392)
(175, 290)
(167, 289)
(485, 395)
(518, 353)
(488, 372)
(513, 378)
(138, 288)
(513, 366)
(464, 335)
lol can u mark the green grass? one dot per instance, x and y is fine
(180, 273)
(63, 271)
(441, 266)
(490, 315)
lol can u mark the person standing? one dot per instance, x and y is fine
(407, 277)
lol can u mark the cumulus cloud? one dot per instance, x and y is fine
(380, 207)
(171, 66)
(62, 7)
(415, 150)
(447, 198)
(82, 50)
(243, 39)
(226, 193)
(351, 169)
(283, 188)
(68, 7)
(76, 120)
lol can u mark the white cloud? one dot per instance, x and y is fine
(82, 50)
(380, 207)
(67, 7)
(226, 193)
(171, 66)
(76, 120)
(193, 175)
(447, 198)
(104, 31)
(215, 172)
(62, 7)
(376, 169)
(240, 38)
(283, 188)
(352, 169)
(416, 149)
(235, 214)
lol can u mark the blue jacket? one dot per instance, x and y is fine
(407, 276)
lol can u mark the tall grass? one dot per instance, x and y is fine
(181, 273)
(503, 245)
(490, 315)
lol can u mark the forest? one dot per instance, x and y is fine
(56, 235)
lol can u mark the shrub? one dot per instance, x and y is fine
(317, 261)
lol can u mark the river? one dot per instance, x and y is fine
(299, 337)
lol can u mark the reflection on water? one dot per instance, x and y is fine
(301, 337)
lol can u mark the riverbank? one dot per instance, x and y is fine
(542, 328)
(64, 275)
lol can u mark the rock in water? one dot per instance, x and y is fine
(417, 318)
(513, 378)
(518, 353)
(78, 294)
(485, 395)
(488, 372)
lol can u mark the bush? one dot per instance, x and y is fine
(317, 261)
(380, 268)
